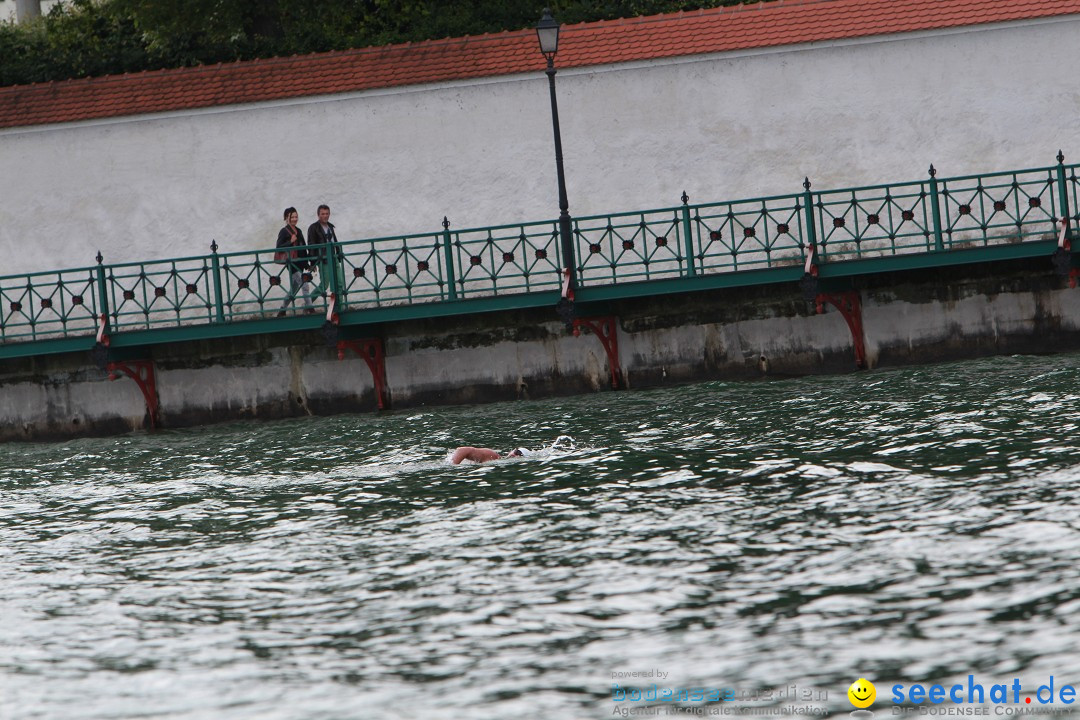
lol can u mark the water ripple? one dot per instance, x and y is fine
(910, 526)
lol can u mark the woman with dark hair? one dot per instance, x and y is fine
(291, 253)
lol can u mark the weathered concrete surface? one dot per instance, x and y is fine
(931, 316)
(912, 317)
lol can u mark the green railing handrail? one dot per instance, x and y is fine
(1004, 173)
(929, 215)
(43, 273)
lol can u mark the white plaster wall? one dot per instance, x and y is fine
(481, 153)
(7, 8)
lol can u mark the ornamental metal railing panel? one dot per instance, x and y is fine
(387, 271)
(41, 306)
(749, 234)
(873, 221)
(506, 260)
(629, 247)
(929, 216)
(255, 285)
(159, 294)
(999, 208)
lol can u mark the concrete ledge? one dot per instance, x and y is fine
(909, 317)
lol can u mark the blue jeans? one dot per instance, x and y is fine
(297, 284)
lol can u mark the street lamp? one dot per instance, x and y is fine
(547, 32)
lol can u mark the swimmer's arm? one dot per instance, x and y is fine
(477, 455)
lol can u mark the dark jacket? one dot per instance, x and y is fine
(316, 237)
(284, 241)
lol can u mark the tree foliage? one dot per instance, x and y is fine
(98, 37)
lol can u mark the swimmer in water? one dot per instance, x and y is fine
(563, 443)
(481, 455)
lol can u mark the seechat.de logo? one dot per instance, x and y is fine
(975, 693)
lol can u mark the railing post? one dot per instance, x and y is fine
(219, 305)
(809, 281)
(808, 216)
(103, 293)
(330, 252)
(1063, 188)
(691, 269)
(935, 209)
(448, 254)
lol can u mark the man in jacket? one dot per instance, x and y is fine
(328, 257)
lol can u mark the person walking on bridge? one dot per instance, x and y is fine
(291, 252)
(329, 256)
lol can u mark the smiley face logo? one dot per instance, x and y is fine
(862, 693)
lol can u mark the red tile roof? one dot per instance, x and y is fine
(783, 22)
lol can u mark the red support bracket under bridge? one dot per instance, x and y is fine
(605, 329)
(850, 307)
(371, 351)
(142, 372)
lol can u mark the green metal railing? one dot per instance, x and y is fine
(631, 253)
(505, 260)
(629, 247)
(750, 234)
(65, 302)
(1071, 197)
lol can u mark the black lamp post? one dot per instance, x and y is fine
(547, 31)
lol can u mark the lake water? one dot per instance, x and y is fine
(907, 526)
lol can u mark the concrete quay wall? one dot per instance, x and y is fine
(739, 333)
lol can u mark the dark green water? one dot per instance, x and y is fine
(906, 526)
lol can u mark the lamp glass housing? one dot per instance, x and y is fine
(547, 32)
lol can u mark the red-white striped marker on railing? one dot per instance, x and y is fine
(809, 268)
(101, 336)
